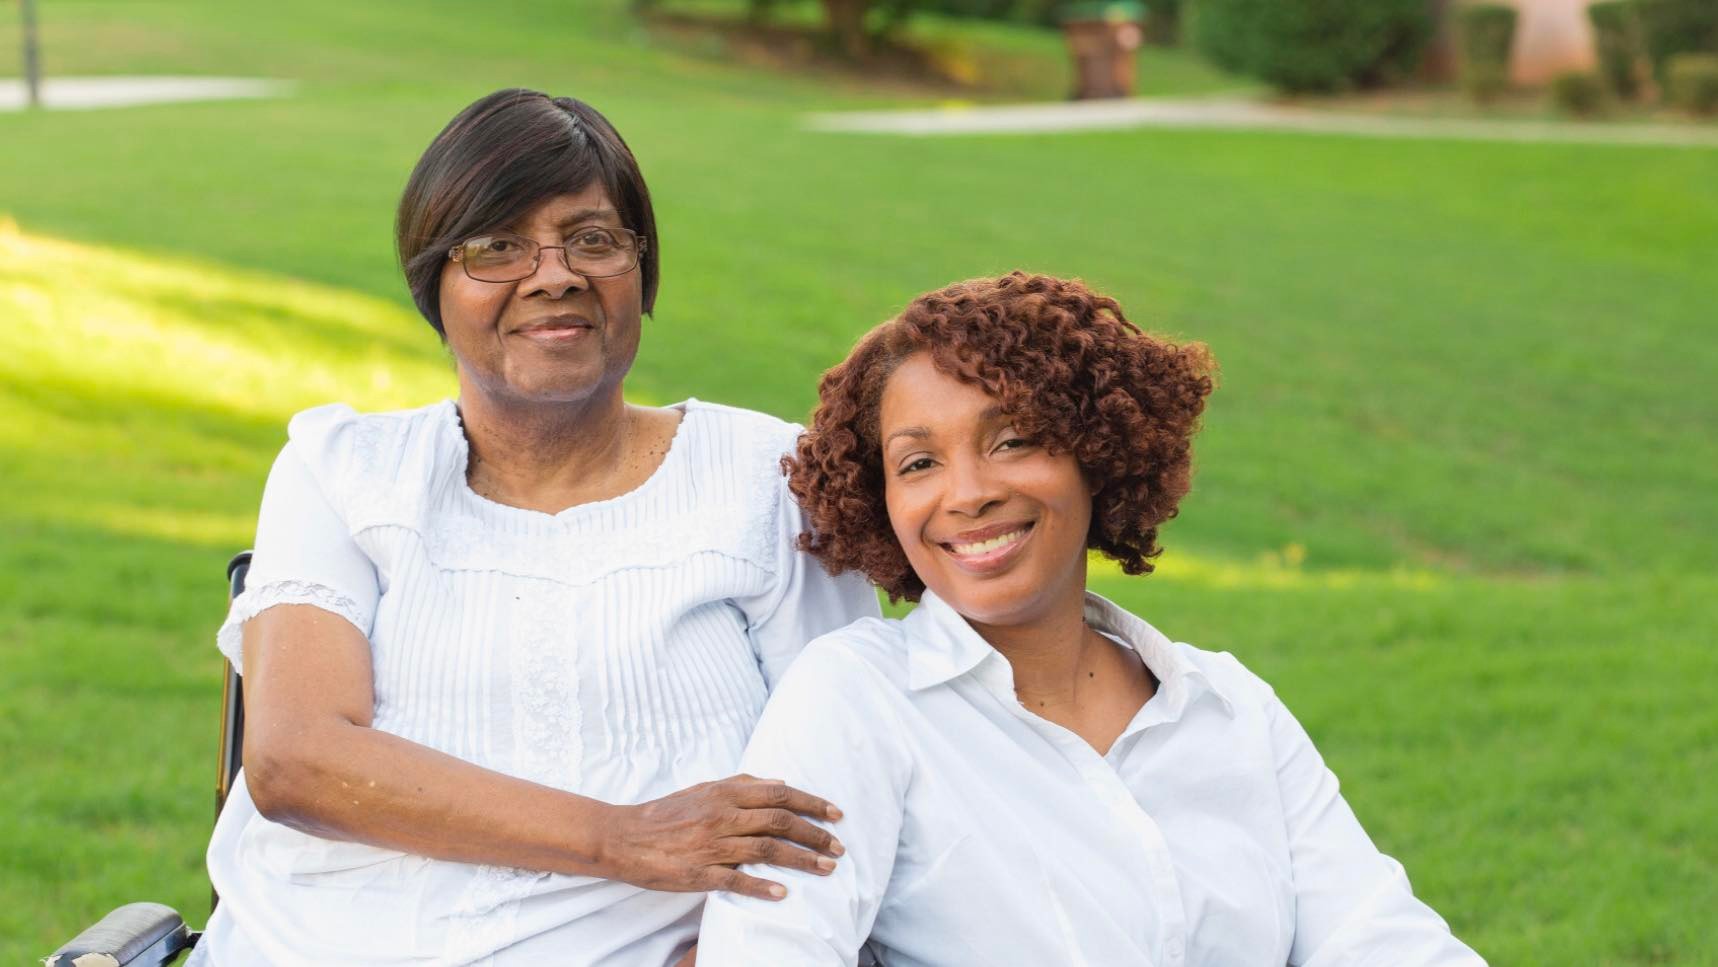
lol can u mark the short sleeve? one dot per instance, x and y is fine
(805, 601)
(304, 554)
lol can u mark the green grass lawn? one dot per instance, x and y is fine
(1455, 493)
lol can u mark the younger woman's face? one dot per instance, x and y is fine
(992, 522)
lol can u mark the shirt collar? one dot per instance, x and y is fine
(941, 646)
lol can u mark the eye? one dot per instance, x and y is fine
(493, 250)
(913, 466)
(593, 240)
(1010, 442)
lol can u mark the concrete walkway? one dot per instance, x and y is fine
(1227, 113)
(90, 93)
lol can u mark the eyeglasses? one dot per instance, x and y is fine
(595, 253)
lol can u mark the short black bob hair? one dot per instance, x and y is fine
(497, 160)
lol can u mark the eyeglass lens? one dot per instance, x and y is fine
(594, 252)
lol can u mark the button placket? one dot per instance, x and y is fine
(1100, 775)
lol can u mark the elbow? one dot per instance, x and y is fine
(284, 783)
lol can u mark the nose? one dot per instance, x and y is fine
(971, 487)
(554, 276)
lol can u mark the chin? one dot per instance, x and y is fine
(1006, 602)
(554, 387)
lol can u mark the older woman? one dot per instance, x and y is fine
(500, 652)
(1029, 773)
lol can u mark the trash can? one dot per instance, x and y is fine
(1103, 38)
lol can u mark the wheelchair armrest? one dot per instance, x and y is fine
(135, 935)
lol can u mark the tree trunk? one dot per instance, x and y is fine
(32, 54)
(847, 24)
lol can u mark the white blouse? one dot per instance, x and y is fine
(978, 833)
(621, 650)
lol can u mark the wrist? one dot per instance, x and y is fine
(597, 837)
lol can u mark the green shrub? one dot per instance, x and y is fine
(1313, 45)
(1486, 34)
(1580, 93)
(1484, 82)
(1672, 27)
(982, 9)
(1616, 40)
(1163, 22)
(1692, 83)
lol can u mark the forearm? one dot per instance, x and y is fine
(313, 762)
(349, 782)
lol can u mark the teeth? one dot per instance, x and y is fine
(985, 547)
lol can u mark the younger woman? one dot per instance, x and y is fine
(1029, 773)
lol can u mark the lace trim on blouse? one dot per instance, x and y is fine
(549, 739)
(256, 600)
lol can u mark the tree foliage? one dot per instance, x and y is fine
(1314, 45)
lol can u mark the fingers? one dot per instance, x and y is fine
(775, 794)
(775, 852)
(788, 826)
(733, 881)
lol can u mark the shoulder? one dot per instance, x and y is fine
(391, 456)
(1237, 684)
(839, 722)
(1219, 671)
(733, 460)
(338, 426)
(744, 434)
(857, 668)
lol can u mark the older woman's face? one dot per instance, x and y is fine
(993, 523)
(555, 336)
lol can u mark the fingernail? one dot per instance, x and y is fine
(837, 849)
(778, 891)
(834, 813)
(825, 864)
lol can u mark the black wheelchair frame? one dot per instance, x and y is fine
(153, 934)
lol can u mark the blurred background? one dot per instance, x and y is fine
(1459, 263)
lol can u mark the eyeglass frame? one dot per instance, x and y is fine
(640, 243)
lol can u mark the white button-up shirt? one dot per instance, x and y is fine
(979, 833)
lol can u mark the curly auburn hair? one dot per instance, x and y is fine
(1063, 362)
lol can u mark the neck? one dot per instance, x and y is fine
(1050, 653)
(525, 450)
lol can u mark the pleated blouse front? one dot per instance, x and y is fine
(621, 650)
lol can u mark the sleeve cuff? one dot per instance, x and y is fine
(256, 600)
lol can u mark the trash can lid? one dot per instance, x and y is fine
(1114, 11)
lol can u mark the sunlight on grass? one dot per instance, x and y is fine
(177, 377)
(238, 341)
(212, 529)
(1282, 570)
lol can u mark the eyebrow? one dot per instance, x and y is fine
(573, 218)
(990, 414)
(587, 214)
(916, 432)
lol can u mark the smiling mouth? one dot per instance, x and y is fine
(556, 330)
(988, 552)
